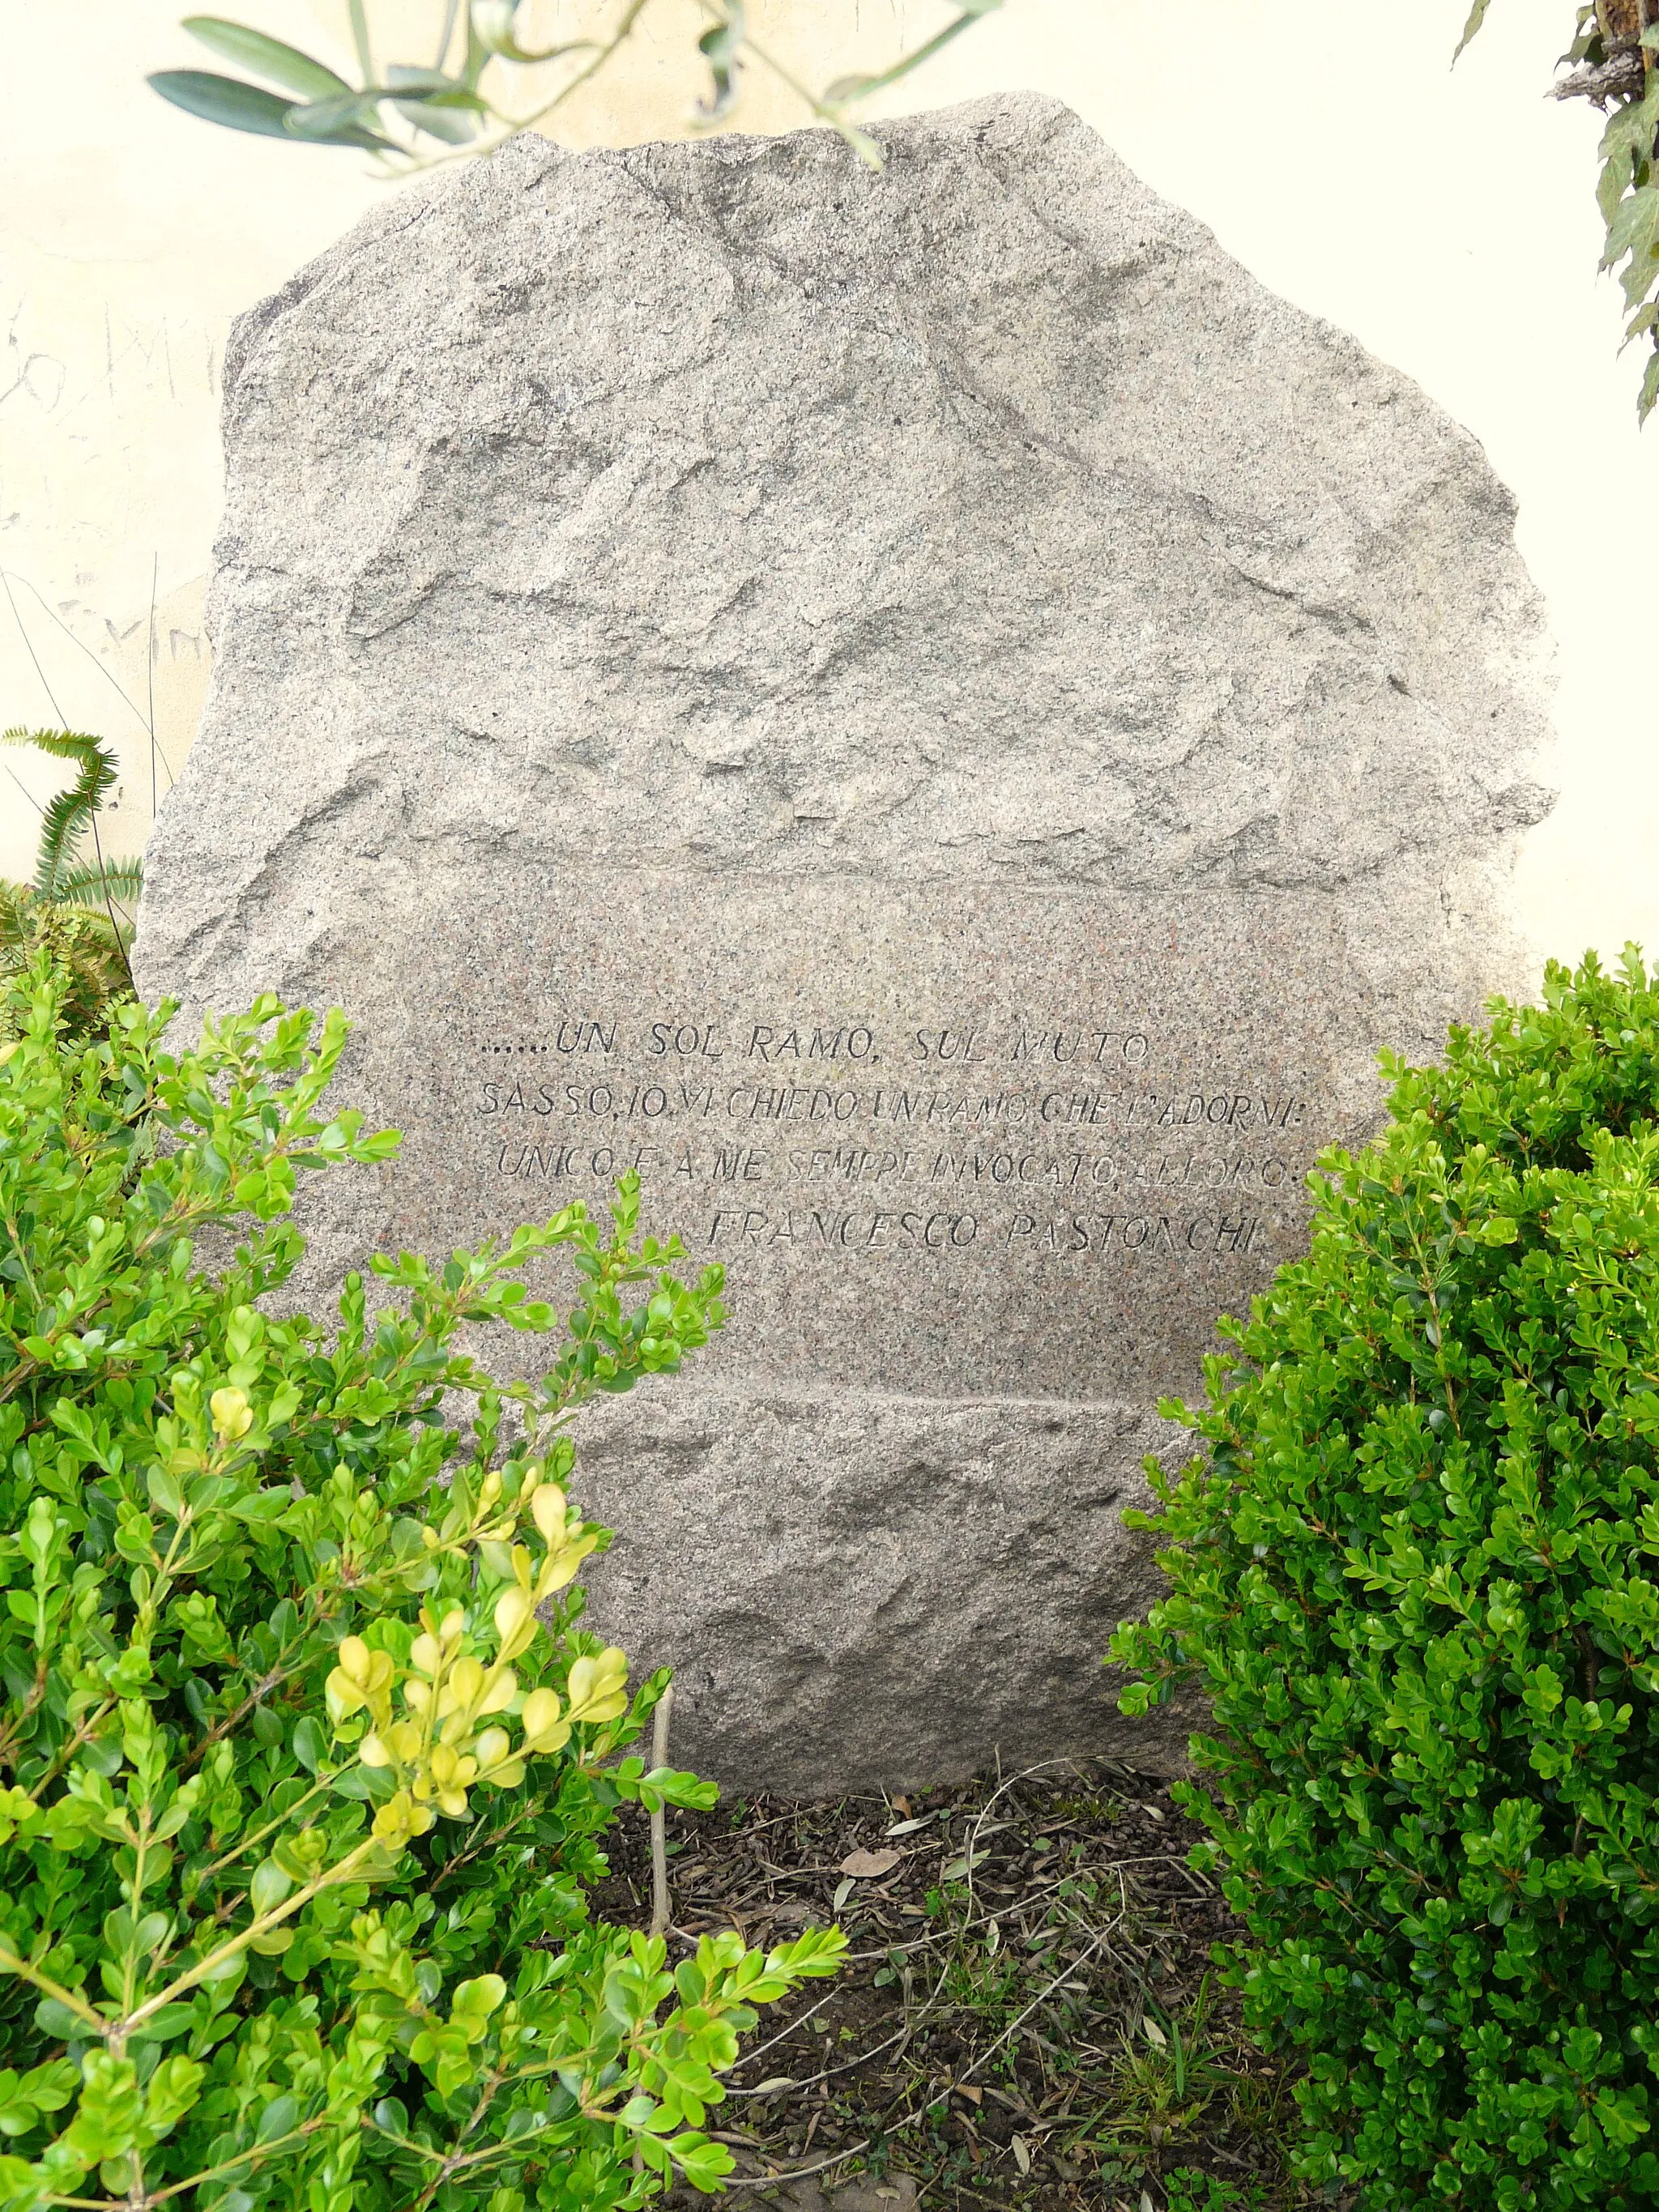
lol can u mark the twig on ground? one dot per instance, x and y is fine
(1041, 1973)
(659, 1720)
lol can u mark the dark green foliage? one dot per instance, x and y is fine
(304, 1752)
(1414, 1572)
(1189, 2190)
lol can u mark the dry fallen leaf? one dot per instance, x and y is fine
(867, 1864)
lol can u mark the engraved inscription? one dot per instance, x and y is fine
(1112, 1156)
(1007, 1139)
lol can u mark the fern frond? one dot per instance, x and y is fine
(97, 919)
(62, 745)
(67, 814)
(64, 817)
(119, 880)
(18, 908)
(69, 915)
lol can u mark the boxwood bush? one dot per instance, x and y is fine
(1413, 1572)
(305, 1753)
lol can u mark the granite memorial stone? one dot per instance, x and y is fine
(932, 716)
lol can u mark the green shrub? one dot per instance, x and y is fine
(302, 1798)
(1414, 1574)
(1187, 2190)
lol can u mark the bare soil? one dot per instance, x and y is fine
(1030, 2018)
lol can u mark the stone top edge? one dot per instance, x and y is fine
(532, 158)
(1042, 122)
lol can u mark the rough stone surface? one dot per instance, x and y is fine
(936, 717)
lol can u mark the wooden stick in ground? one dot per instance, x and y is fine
(659, 1720)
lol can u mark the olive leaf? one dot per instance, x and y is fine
(439, 105)
(238, 107)
(460, 99)
(1477, 16)
(268, 57)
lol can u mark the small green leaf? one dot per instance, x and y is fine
(323, 119)
(703, 2163)
(439, 118)
(225, 100)
(279, 2117)
(57, 2020)
(439, 105)
(252, 50)
(269, 1886)
(1634, 231)
(1610, 185)
(170, 2020)
(423, 84)
(165, 1492)
(238, 106)
(1476, 18)
(309, 1743)
(102, 1753)
(478, 1999)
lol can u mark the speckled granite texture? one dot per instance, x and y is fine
(937, 718)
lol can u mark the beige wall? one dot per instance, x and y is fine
(1444, 217)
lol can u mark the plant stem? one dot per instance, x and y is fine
(341, 1871)
(630, 15)
(359, 39)
(13, 1964)
(659, 1902)
(447, 33)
